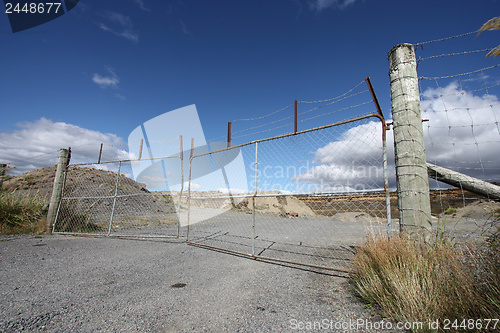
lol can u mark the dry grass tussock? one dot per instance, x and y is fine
(421, 282)
(22, 213)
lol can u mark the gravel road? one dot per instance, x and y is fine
(81, 284)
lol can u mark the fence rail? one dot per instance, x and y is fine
(305, 198)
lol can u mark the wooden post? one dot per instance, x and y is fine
(55, 199)
(3, 170)
(411, 169)
(228, 134)
(460, 180)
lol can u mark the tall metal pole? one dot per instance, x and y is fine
(254, 195)
(189, 189)
(411, 169)
(384, 157)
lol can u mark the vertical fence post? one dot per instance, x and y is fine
(295, 117)
(140, 149)
(384, 157)
(228, 134)
(189, 189)
(3, 169)
(100, 154)
(409, 148)
(254, 195)
(181, 155)
(114, 197)
(55, 199)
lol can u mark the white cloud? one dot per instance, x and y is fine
(320, 5)
(142, 6)
(183, 28)
(121, 26)
(462, 134)
(36, 144)
(109, 81)
(353, 162)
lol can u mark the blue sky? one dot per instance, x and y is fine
(104, 68)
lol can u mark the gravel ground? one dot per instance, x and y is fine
(80, 284)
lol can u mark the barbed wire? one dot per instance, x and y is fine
(268, 130)
(457, 75)
(331, 99)
(266, 124)
(445, 38)
(265, 116)
(452, 54)
(465, 92)
(336, 101)
(336, 111)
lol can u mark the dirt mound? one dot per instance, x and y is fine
(478, 210)
(358, 217)
(279, 205)
(89, 194)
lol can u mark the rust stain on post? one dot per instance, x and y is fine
(295, 117)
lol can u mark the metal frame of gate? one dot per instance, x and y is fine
(253, 254)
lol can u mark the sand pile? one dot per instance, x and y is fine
(280, 205)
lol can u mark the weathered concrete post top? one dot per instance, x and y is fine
(409, 148)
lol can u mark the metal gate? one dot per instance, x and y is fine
(302, 198)
(103, 199)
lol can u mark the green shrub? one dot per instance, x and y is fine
(450, 211)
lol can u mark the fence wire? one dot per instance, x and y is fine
(461, 111)
(105, 199)
(304, 198)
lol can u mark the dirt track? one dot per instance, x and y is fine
(82, 284)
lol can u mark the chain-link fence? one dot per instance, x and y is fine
(302, 198)
(104, 199)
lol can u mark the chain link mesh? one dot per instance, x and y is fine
(104, 199)
(305, 198)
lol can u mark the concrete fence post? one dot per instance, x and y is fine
(411, 169)
(55, 199)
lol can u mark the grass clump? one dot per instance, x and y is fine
(450, 211)
(22, 213)
(415, 282)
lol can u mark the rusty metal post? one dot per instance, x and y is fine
(140, 149)
(100, 154)
(295, 117)
(228, 134)
(384, 154)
